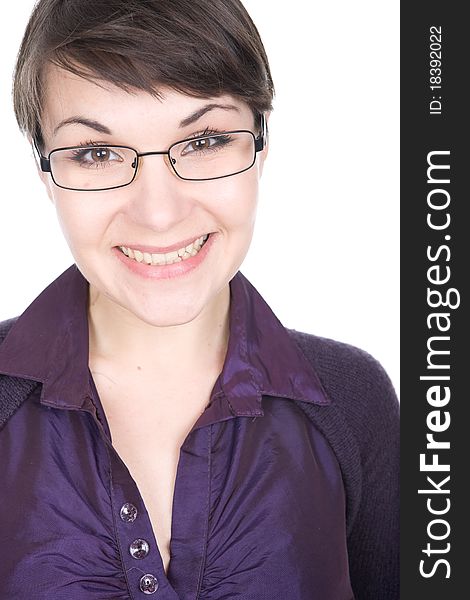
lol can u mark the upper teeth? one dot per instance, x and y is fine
(169, 257)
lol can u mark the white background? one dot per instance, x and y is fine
(325, 255)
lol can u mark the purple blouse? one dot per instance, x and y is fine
(259, 502)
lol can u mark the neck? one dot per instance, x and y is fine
(122, 339)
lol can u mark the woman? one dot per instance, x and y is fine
(165, 433)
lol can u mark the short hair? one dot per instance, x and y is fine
(201, 48)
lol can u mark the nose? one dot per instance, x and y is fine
(160, 199)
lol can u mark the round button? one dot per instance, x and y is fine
(148, 584)
(139, 548)
(128, 513)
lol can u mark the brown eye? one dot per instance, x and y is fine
(100, 154)
(96, 156)
(201, 144)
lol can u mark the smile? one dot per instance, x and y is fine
(168, 258)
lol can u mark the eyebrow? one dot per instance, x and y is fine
(203, 110)
(192, 118)
(86, 122)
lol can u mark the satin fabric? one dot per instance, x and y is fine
(258, 507)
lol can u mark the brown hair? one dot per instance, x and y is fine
(199, 47)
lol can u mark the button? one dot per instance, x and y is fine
(139, 548)
(148, 584)
(128, 512)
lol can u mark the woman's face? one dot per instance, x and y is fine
(158, 210)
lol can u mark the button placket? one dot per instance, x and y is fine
(141, 559)
(145, 575)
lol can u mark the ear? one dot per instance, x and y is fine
(44, 177)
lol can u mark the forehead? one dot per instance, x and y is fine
(67, 96)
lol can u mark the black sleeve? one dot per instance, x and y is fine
(374, 542)
(362, 426)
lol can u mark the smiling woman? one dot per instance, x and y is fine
(164, 432)
(141, 202)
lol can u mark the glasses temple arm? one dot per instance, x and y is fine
(262, 139)
(43, 162)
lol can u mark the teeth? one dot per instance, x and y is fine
(169, 257)
(158, 259)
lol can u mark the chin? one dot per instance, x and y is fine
(165, 320)
(162, 315)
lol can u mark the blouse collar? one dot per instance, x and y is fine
(49, 343)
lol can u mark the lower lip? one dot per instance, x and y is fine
(173, 271)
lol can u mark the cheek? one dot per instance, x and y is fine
(81, 224)
(236, 200)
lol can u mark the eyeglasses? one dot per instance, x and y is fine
(105, 167)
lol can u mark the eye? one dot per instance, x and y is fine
(99, 156)
(200, 146)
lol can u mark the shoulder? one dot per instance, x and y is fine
(362, 421)
(362, 396)
(13, 390)
(363, 427)
(5, 327)
(348, 362)
(352, 378)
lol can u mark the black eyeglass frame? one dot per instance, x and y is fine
(259, 145)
